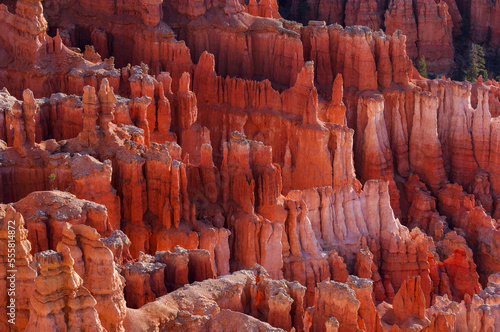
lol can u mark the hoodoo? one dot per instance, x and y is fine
(262, 165)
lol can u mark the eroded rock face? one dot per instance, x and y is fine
(435, 28)
(462, 272)
(215, 302)
(408, 308)
(119, 244)
(312, 150)
(94, 262)
(409, 300)
(476, 313)
(335, 300)
(414, 18)
(63, 302)
(368, 317)
(227, 320)
(144, 283)
(484, 14)
(17, 273)
(46, 215)
(400, 15)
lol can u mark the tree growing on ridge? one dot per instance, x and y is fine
(477, 64)
(52, 178)
(422, 67)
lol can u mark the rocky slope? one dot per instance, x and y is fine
(258, 175)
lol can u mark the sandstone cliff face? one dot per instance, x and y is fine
(466, 133)
(17, 273)
(486, 29)
(28, 19)
(426, 153)
(372, 57)
(46, 214)
(144, 283)
(463, 276)
(367, 13)
(217, 301)
(335, 300)
(94, 262)
(435, 28)
(400, 15)
(422, 212)
(476, 313)
(264, 247)
(481, 229)
(373, 146)
(348, 306)
(294, 159)
(416, 19)
(304, 149)
(61, 303)
(119, 244)
(408, 308)
(75, 174)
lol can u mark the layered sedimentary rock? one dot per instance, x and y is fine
(119, 244)
(400, 15)
(372, 144)
(476, 313)
(94, 262)
(486, 28)
(17, 273)
(60, 301)
(408, 308)
(75, 174)
(304, 149)
(367, 13)
(422, 212)
(463, 276)
(38, 47)
(416, 19)
(46, 215)
(211, 297)
(370, 66)
(479, 228)
(144, 283)
(245, 46)
(435, 28)
(366, 268)
(368, 316)
(425, 151)
(335, 300)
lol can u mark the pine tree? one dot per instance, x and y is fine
(477, 64)
(422, 67)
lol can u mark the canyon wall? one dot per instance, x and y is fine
(259, 173)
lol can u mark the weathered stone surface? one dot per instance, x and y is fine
(462, 273)
(17, 273)
(144, 283)
(336, 300)
(47, 212)
(408, 308)
(94, 262)
(222, 302)
(302, 148)
(59, 293)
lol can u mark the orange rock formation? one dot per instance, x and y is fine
(210, 166)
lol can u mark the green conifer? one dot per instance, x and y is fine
(52, 178)
(422, 67)
(477, 64)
